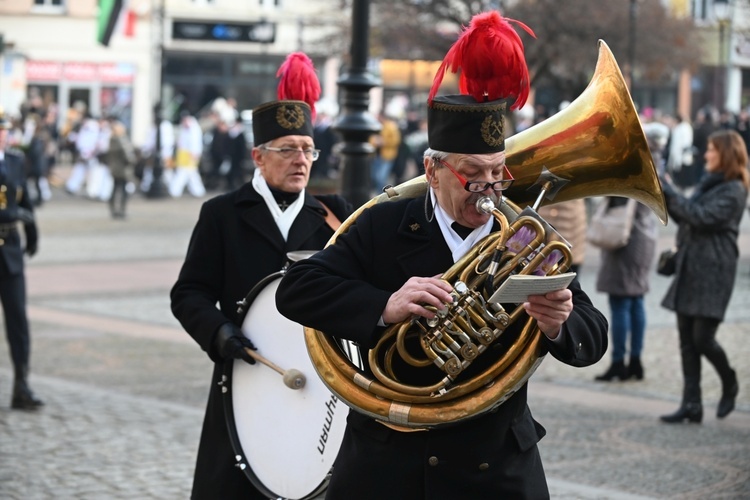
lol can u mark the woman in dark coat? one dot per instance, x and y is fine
(706, 266)
(624, 276)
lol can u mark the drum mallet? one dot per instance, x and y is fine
(294, 379)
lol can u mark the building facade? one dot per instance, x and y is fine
(183, 53)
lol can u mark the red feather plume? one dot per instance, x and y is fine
(490, 55)
(298, 80)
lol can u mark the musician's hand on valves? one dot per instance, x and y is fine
(550, 310)
(413, 297)
(230, 343)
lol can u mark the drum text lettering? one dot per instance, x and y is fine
(330, 408)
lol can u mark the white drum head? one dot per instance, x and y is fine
(288, 438)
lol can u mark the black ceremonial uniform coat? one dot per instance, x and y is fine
(15, 208)
(343, 291)
(14, 201)
(234, 245)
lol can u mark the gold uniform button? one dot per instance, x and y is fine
(433, 461)
(484, 466)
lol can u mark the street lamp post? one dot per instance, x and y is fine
(156, 189)
(631, 43)
(356, 124)
(722, 12)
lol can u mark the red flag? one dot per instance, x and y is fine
(129, 20)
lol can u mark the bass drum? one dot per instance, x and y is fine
(285, 439)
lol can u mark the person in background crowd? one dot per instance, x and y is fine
(187, 159)
(237, 156)
(624, 275)
(569, 219)
(743, 126)
(680, 148)
(86, 140)
(703, 126)
(15, 209)
(240, 238)
(36, 138)
(386, 150)
(219, 151)
(121, 159)
(166, 152)
(385, 270)
(706, 266)
(325, 139)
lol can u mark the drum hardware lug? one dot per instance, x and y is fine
(223, 384)
(241, 305)
(240, 464)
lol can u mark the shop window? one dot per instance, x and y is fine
(49, 6)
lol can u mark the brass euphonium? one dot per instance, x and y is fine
(473, 355)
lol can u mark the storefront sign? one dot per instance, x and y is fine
(260, 32)
(48, 71)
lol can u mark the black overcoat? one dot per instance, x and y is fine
(709, 224)
(343, 291)
(234, 245)
(15, 206)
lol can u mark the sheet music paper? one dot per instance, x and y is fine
(517, 288)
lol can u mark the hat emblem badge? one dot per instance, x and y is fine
(290, 116)
(493, 132)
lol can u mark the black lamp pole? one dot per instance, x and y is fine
(156, 190)
(631, 43)
(356, 124)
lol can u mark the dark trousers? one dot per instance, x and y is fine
(698, 338)
(13, 296)
(119, 197)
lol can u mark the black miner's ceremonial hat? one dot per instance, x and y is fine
(281, 118)
(494, 77)
(460, 124)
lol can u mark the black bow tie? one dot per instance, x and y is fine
(462, 231)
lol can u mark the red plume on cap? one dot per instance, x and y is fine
(490, 55)
(298, 80)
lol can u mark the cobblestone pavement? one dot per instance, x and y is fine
(125, 387)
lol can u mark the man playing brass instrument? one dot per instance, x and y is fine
(385, 269)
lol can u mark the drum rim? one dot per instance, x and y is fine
(228, 407)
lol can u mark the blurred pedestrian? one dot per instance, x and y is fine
(85, 141)
(706, 266)
(624, 275)
(187, 158)
(163, 153)
(242, 237)
(121, 159)
(219, 152)
(386, 150)
(15, 208)
(680, 148)
(36, 137)
(569, 219)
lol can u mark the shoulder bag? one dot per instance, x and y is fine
(610, 227)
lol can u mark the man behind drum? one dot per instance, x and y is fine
(240, 238)
(385, 270)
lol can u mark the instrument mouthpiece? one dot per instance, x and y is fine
(485, 205)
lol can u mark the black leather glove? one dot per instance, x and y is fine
(230, 343)
(31, 239)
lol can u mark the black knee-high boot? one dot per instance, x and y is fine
(730, 387)
(691, 408)
(23, 397)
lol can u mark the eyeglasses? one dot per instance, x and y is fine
(479, 186)
(289, 153)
